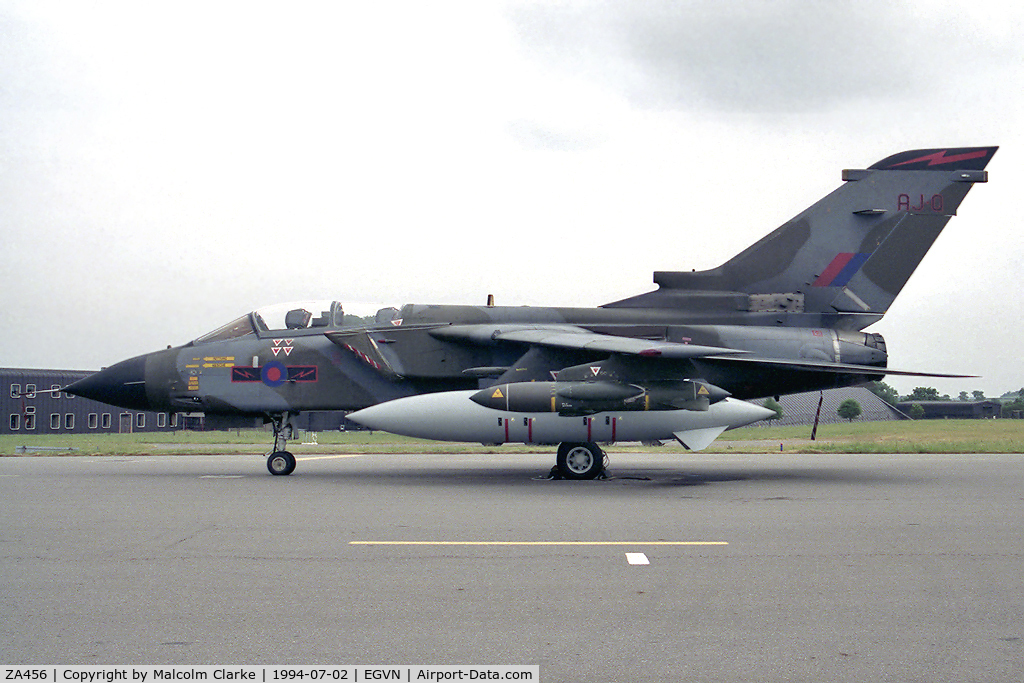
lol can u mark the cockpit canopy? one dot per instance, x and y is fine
(294, 319)
(299, 316)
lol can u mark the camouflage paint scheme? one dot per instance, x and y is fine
(785, 315)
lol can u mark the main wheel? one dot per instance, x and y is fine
(281, 463)
(580, 460)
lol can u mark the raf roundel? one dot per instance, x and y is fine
(274, 374)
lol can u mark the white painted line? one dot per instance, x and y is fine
(637, 558)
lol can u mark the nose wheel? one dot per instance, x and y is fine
(280, 462)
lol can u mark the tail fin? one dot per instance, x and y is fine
(847, 256)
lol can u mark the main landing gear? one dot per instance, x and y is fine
(582, 460)
(281, 462)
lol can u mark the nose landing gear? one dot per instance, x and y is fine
(280, 462)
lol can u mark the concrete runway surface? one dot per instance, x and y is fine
(808, 568)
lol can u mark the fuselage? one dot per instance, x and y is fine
(252, 367)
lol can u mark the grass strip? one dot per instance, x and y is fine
(921, 436)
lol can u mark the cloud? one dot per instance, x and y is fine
(165, 168)
(767, 57)
(536, 136)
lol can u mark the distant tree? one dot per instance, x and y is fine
(916, 411)
(963, 396)
(884, 392)
(978, 395)
(849, 410)
(771, 404)
(923, 394)
(1013, 408)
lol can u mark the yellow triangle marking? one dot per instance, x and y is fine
(703, 391)
(497, 393)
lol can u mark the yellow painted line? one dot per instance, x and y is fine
(534, 543)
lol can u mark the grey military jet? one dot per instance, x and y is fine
(683, 361)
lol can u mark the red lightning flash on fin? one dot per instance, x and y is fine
(941, 158)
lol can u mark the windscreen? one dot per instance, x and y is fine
(233, 330)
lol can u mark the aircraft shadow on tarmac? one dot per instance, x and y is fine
(632, 477)
(830, 476)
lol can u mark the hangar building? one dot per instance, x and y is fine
(31, 404)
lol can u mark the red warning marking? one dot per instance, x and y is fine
(366, 359)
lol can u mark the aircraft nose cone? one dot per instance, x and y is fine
(122, 385)
(745, 413)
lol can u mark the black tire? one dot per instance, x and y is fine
(281, 463)
(580, 460)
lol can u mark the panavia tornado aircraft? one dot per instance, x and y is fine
(783, 316)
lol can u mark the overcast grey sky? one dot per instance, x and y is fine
(166, 167)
